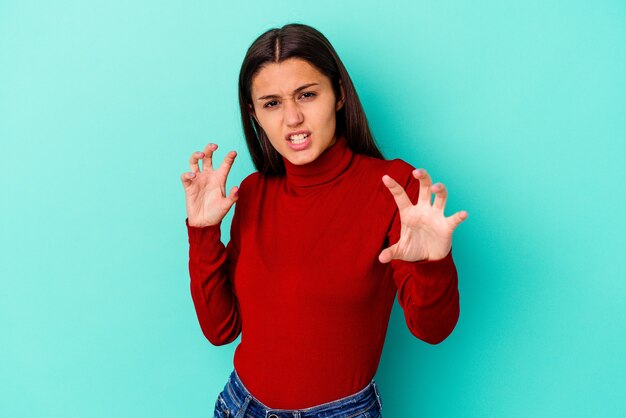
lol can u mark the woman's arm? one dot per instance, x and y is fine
(211, 269)
(421, 254)
(428, 293)
(211, 265)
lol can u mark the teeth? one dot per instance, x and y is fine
(298, 139)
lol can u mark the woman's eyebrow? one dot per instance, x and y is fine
(275, 96)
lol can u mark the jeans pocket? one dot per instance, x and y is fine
(372, 411)
(221, 409)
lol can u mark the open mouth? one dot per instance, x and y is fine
(298, 139)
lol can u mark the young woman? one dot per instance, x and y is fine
(323, 237)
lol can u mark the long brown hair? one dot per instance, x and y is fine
(297, 40)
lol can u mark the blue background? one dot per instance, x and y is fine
(518, 107)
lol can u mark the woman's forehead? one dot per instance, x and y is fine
(285, 77)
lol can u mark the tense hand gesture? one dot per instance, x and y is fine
(425, 233)
(205, 189)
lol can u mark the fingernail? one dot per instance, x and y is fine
(191, 174)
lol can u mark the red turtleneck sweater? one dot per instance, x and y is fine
(301, 281)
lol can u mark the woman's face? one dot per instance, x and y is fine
(295, 105)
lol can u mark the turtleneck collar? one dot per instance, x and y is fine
(330, 164)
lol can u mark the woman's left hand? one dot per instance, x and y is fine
(425, 233)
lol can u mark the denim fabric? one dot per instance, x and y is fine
(235, 401)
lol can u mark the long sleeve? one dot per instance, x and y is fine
(211, 269)
(427, 290)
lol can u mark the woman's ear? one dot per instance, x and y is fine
(341, 101)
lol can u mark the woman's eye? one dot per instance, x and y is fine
(274, 103)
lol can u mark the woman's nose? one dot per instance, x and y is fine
(292, 114)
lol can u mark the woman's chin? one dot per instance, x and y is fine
(300, 157)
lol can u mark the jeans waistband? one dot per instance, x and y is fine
(242, 404)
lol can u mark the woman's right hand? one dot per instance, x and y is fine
(205, 190)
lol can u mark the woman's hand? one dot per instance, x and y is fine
(205, 190)
(425, 233)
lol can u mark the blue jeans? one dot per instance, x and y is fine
(236, 401)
